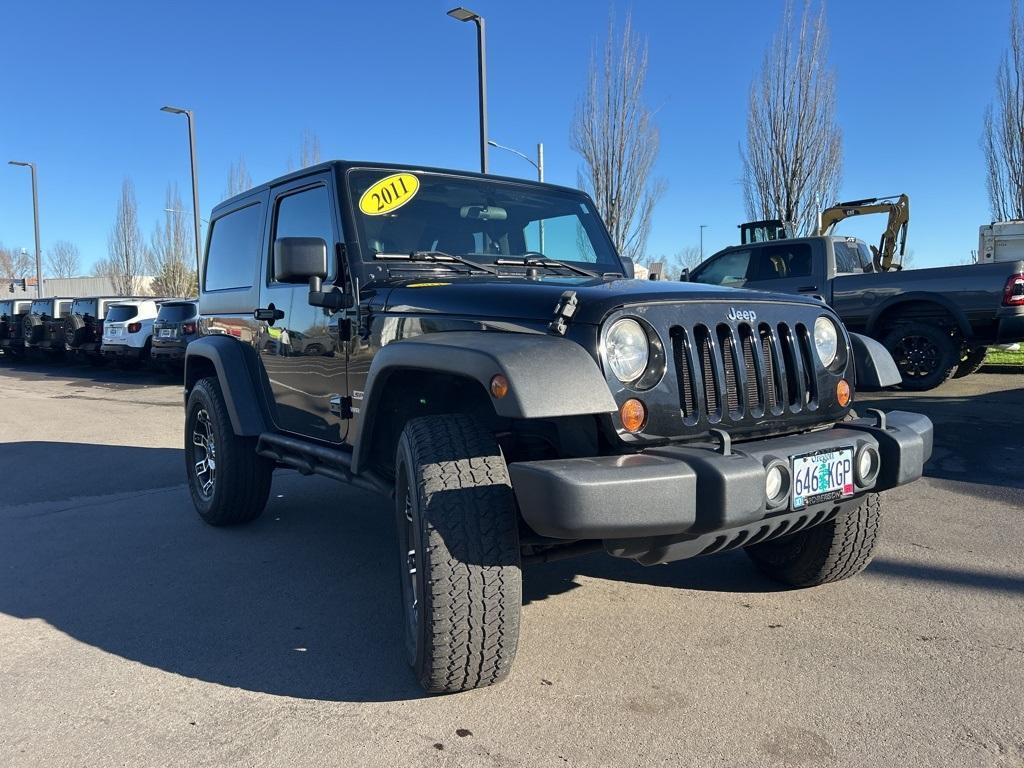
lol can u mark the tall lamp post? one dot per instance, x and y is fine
(195, 178)
(464, 14)
(35, 218)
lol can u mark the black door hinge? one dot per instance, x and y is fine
(564, 311)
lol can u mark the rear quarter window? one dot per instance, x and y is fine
(84, 307)
(233, 256)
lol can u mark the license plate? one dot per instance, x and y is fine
(822, 476)
(166, 332)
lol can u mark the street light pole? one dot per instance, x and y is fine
(464, 14)
(702, 228)
(195, 177)
(35, 219)
(539, 165)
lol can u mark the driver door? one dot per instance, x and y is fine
(299, 349)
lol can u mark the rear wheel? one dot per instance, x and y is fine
(458, 553)
(970, 362)
(831, 552)
(228, 481)
(926, 355)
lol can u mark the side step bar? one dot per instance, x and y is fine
(311, 459)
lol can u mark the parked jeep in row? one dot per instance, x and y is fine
(12, 340)
(177, 324)
(490, 370)
(43, 326)
(128, 330)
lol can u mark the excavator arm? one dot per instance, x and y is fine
(895, 236)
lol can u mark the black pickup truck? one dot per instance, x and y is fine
(397, 328)
(935, 322)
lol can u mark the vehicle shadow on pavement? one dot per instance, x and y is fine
(303, 602)
(977, 439)
(84, 374)
(726, 572)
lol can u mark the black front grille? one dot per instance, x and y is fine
(736, 373)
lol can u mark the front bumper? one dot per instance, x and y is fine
(642, 504)
(1010, 325)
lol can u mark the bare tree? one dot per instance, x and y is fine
(614, 131)
(15, 263)
(63, 259)
(673, 266)
(309, 149)
(239, 179)
(793, 159)
(1002, 140)
(170, 251)
(126, 250)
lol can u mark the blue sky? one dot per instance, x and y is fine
(83, 84)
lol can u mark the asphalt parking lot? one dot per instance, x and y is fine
(132, 634)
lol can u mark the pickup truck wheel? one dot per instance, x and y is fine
(971, 362)
(925, 355)
(458, 540)
(228, 481)
(830, 552)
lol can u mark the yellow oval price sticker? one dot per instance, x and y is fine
(389, 194)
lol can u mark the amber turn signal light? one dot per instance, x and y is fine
(499, 386)
(633, 414)
(843, 393)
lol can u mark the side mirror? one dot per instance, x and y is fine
(627, 267)
(684, 276)
(300, 259)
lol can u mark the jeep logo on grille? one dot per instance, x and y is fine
(742, 314)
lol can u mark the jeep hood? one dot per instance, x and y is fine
(516, 298)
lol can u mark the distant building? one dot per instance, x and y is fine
(69, 286)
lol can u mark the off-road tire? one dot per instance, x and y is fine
(973, 359)
(831, 552)
(241, 483)
(947, 354)
(463, 525)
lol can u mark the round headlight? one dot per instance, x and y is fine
(826, 340)
(626, 350)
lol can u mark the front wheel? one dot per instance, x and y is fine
(926, 355)
(458, 547)
(831, 552)
(228, 481)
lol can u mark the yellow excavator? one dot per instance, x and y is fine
(895, 236)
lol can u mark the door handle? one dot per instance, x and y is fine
(269, 314)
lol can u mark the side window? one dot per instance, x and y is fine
(64, 309)
(234, 250)
(729, 269)
(307, 214)
(781, 261)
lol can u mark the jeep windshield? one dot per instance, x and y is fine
(482, 220)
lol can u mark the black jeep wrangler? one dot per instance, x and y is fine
(43, 326)
(483, 358)
(12, 342)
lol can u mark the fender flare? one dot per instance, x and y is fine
(873, 365)
(241, 397)
(933, 298)
(548, 376)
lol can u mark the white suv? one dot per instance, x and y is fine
(128, 330)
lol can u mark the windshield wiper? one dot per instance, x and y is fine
(535, 259)
(435, 257)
